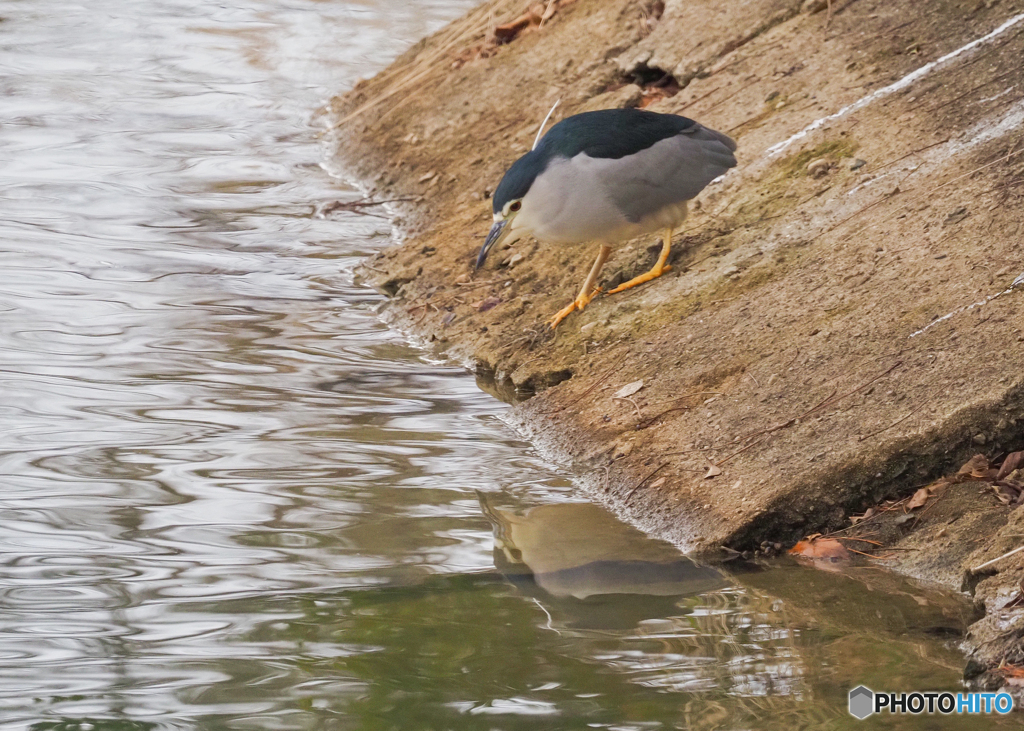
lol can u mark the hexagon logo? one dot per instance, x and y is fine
(862, 702)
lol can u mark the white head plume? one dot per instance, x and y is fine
(536, 140)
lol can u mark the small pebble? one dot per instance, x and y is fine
(818, 168)
(513, 260)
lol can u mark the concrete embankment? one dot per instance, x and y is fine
(840, 326)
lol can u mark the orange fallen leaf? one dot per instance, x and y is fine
(1014, 674)
(532, 18)
(821, 549)
(507, 33)
(536, 15)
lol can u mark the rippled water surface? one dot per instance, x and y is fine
(231, 499)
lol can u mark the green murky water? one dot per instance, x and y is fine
(230, 499)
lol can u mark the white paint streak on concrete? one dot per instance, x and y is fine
(1016, 282)
(984, 131)
(895, 86)
(980, 133)
(1003, 93)
(987, 130)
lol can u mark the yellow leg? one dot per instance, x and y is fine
(656, 271)
(589, 291)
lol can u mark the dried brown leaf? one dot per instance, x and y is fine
(629, 389)
(508, 32)
(977, 467)
(854, 519)
(920, 498)
(713, 471)
(1012, 462)
(1004, 495)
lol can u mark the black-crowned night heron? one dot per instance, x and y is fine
(608, 176)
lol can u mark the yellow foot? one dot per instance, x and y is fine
(646, 277)
(579, 303)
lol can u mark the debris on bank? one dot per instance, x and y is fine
(963, 531)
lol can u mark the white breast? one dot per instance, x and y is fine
(571, 203)
(568, 204)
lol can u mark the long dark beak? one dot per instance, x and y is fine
(497, 233)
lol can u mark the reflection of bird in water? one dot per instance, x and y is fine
(579, 551)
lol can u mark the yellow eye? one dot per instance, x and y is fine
(516, 205)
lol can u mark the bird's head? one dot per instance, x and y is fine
(511, 214)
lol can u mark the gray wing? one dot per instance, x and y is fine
(674, 170)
